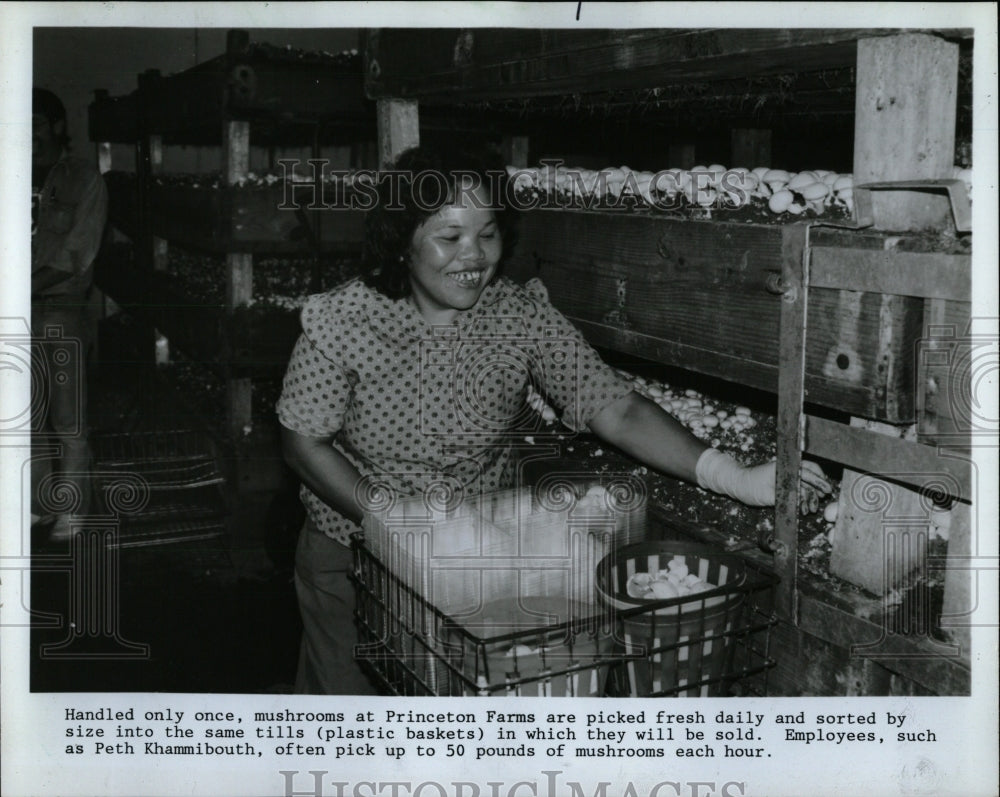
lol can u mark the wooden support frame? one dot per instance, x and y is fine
(791, 383)
(904, 129)
(239, 276)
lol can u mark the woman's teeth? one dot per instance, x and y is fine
(467, 279)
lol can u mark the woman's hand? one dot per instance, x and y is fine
(755, 486)
(644, 430)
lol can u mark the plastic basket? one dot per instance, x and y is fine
(684, 646)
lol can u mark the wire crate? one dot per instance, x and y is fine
(175, 472)
(504, 649)
(538, 646)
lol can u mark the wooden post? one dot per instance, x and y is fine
(239, 272)
(959, 602)
(104, 157)
(905, 113)
(515, 151)
(791, 386)
(155, 154)
(751, 147)
(398, 129)
(680, 156)
(904, 127)
(161, 253)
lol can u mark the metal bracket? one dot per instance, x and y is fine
(961, 208)
(864, 215)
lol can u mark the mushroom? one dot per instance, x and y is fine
(717, 171)
(644, 184)
(668, 182)
(815, 194)
(843, 181)
(664, 589)
(615, 181)
(776, 179)
(800, 180)
(781, 201)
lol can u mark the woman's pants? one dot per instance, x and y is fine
(326, 603)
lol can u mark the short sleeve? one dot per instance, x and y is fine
(570, 372)
(315, 392)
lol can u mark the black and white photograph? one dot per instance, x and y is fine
(551, 359)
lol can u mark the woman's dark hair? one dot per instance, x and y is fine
(422, 181)
(47, 104)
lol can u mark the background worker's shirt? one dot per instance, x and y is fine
(413, 406)
(68, 215)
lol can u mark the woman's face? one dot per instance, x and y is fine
(453, 257)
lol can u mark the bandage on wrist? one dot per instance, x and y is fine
(722, 474)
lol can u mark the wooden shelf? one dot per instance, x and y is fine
(246, 342)
(291, 98)
(224, 219)
(452, 66)
(694, 294)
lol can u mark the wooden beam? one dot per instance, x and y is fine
(904, 125)
(935, 665)
(902, 461)
(923, 274)
(235, 150)
(161, 254)
(881, 533)
(961, 579)
(696, 296)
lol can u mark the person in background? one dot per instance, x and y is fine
(375, 390)
(69, 209)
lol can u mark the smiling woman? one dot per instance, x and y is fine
(415, 378)
(453, 257)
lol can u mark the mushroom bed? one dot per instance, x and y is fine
(204, 392)
(748, 435)
(278, 282)
(761, 194)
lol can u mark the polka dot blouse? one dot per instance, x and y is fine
(411, 405)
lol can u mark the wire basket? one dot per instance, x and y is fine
(179, 475)
(534, 646)
(515, 593)
(548, 647)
